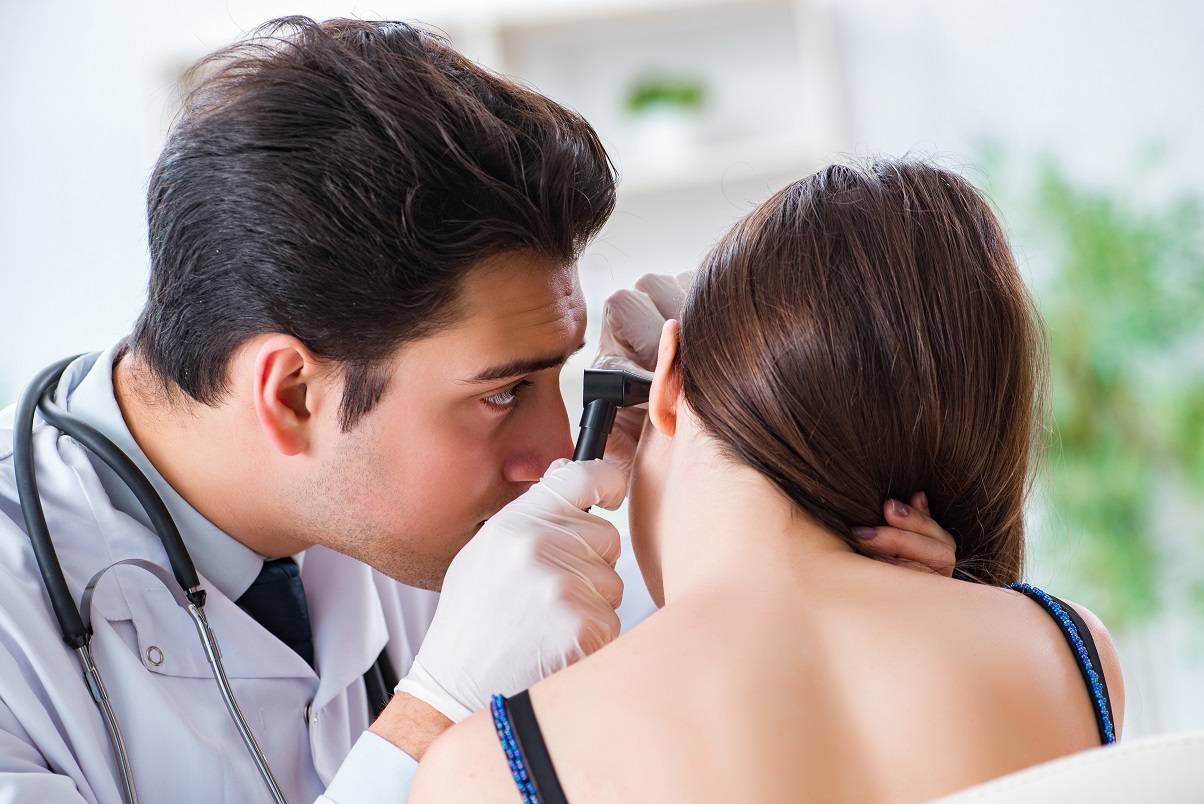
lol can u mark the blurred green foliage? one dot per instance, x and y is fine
(656, 91)
(1122, 296)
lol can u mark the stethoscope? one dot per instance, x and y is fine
(76, 621)
(604, 392)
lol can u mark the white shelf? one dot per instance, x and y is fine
(509, 14)
(577, 51)
(585, 53)
(720, 163)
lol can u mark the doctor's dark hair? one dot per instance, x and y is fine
(865, 333)
(336, 181)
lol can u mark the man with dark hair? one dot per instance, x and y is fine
(344, 384)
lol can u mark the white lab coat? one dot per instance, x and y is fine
(182, 744)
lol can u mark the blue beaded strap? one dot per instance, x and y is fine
(1099, 695)
(514, 756)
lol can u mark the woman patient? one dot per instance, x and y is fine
(863, 333)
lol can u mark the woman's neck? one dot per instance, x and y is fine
(722, 522)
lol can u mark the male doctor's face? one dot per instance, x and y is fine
(472, 416)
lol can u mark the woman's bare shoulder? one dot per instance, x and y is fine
(466, 764)
(1108, 654)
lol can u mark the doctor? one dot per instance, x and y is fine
(344, 384)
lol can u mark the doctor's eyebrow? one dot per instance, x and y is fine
(527, 365)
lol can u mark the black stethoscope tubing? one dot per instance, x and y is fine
(38, 397)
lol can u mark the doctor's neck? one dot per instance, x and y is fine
(209, 454)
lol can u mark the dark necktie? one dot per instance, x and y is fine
(276, 600)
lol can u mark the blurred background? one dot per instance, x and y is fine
(1081, 120)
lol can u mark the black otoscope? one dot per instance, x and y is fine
(606, 390)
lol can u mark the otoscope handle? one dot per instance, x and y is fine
(605, 391)
(597, 419)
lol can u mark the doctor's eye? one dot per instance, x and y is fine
(505, 400)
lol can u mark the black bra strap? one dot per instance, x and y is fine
(1093, 655)
(1086, 655)
(535, 752)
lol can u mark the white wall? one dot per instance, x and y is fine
(86, 89)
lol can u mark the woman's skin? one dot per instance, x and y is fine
(783, 665)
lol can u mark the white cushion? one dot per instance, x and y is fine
(1167, 769)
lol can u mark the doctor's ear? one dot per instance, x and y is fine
(289, 387)
(666, 389)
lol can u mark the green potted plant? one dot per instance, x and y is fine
(666, 111)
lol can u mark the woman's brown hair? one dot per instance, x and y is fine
(865, 333)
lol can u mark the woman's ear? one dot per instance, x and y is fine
(666, 381)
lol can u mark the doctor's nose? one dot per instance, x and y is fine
(528, 466)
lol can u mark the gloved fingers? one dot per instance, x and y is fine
(598, 629)
(584, 484)
(618, 362)
(667, 292)
(574, 627)
(632, 320)
(621, 446)
(559, 503)
(630, 421)
(631, 327)
(568, 537)
(601, 536)
(602, 578)
(534, 590)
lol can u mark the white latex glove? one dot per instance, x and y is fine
(532, 592)
(631, 331)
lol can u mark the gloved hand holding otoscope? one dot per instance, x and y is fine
(540, 518)
(633, 320)
(622, 377)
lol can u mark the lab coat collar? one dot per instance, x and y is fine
(87, 391)
(346, 615)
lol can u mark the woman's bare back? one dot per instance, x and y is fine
(879, 684)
